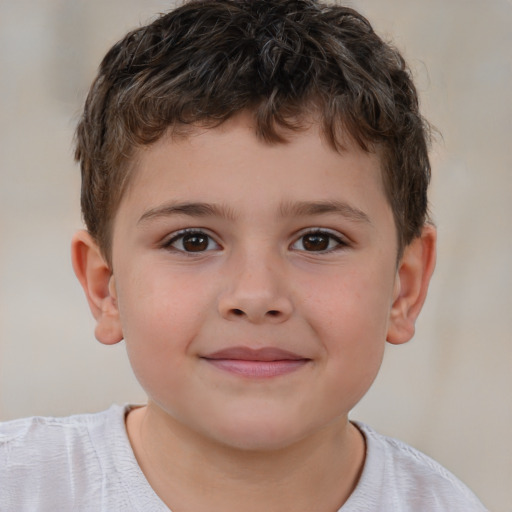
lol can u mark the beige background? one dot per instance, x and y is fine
(448, 392)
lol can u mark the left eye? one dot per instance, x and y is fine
(317, 241)
(192, 241)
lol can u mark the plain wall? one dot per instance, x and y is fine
(448, 392)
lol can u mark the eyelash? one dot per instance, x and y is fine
(340, 243)
(180, 236)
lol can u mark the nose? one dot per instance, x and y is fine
(257, 292)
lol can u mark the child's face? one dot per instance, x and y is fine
(254, 282)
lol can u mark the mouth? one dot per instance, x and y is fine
(259, 363)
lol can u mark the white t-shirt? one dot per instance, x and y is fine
(85, 463)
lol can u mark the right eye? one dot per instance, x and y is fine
(192, 241)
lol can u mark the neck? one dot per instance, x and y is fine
(190, 473)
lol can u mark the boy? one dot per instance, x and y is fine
(254, 186)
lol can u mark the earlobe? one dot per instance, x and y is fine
(98, 283)
(413, 277)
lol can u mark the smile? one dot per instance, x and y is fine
(256, 363)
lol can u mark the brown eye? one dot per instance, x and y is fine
(318, 241)
(193, 241)
(315, 242)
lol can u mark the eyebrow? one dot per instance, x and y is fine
(287, 209)
(189, 209)
(307, 208)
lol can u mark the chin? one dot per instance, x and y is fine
(259, 434)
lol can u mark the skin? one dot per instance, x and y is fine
(293, 247)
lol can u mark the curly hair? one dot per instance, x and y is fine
(281, 60)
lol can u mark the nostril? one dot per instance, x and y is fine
(273, 312)
(238, 312)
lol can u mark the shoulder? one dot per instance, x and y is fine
(400, 478)
(46, 461)
(46, 435)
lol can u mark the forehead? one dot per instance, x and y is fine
(230, 168)
(233, 148)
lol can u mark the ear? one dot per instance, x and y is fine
(413, 277)
(98, 283)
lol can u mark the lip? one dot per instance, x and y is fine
(266, 362)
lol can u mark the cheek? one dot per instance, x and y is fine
(159, 329)
(358, 301)
(160, 316)
(155, 299)
(350, 313)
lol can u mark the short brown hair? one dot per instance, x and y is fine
(283, 60)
